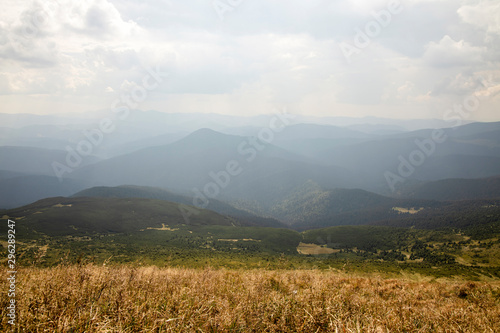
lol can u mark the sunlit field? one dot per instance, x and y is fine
(149, 299)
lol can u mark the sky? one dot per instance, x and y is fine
(408, 59)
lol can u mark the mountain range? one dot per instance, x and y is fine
(304, 175)
(266, 191)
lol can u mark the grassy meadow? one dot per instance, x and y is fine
(97, 298)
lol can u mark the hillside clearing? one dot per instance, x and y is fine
(314, 249)
(407, 210)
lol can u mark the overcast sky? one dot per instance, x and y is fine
(419, 59)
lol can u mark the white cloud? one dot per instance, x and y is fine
(98, 19)
(47, 47)
(485, 14)
(451, 53)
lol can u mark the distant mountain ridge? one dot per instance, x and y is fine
(195, 160)
(193, 121)
(35, 161)
(268, 167)
(24, 189)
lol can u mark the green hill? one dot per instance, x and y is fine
(311, 206)
(310, 203)
(82, 216)
(59, 230)
(478, 218)
(366, 238)
(131, 191)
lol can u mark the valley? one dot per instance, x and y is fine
(141, 231)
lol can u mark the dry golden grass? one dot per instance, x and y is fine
(315, 249)
(151, 299)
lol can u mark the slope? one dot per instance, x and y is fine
(85, 216)
(310, 206)
(145, 192)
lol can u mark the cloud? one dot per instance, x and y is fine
(122, 59)
(451, 53)
(59, 26)
(459, 85)
(264, 53)
(485, 15)
(64, 47)
(99, 19)
(489, 83)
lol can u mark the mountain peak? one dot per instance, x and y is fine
(207, 137)
(205, 132)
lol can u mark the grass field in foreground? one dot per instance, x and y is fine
(150, 299)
